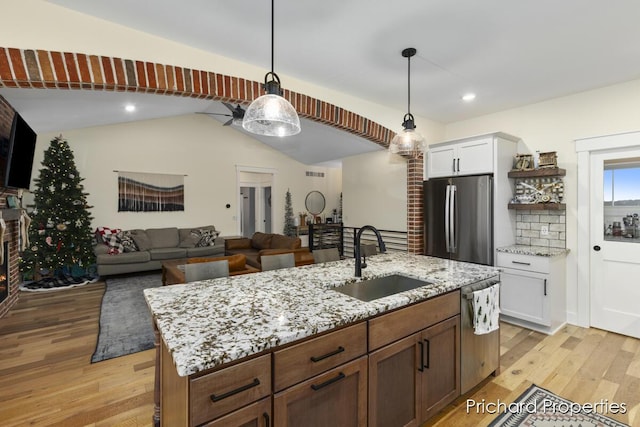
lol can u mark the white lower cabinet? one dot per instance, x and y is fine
(533, 291)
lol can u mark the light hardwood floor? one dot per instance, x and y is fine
(47, 379)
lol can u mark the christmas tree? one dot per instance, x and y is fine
(60, 234)
(289, 226)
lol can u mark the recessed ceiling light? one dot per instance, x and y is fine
(130, 108)
(468, 97)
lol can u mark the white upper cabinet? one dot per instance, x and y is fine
(465, 157)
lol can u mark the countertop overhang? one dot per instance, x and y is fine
(214, 322)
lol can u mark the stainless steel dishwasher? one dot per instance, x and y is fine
(479, 354)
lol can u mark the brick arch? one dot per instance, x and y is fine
(43, 69)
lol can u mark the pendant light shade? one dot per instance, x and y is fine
(408, 141)
(271, 114)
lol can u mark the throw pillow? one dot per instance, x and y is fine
(127, 242)
(142, 240)
(204, 237)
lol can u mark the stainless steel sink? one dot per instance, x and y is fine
(369, 290)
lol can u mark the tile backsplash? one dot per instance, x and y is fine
(530, 223)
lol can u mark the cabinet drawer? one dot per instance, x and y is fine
(391, 327)
(523, 262)
(221, 392)
(257, 414)
(299, 362)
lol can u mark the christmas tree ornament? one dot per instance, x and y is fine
(61, 227)
(48, 241)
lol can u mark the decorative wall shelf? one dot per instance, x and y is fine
(538, 206)
(538, 189)
(537, 173)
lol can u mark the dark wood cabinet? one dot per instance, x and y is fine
(394, 384)
(412, 379)
(441, 375)
(336, 398)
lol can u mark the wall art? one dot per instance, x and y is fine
(150, 192)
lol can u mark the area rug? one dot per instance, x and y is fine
(538, 407)
(57, 283)
(125, 319)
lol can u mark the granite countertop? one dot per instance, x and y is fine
(209, 323)
(533, 250)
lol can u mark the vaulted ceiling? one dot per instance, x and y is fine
(509, 53)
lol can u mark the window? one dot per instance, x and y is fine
(622, 182)
(622, 200)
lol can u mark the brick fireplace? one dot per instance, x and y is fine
(10, 217)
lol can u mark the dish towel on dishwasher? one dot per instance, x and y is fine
(486, 309)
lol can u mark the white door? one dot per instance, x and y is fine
(615, 251)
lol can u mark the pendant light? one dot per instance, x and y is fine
(271, 114)
(408, 141)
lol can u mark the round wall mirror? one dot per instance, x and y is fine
(315, 202)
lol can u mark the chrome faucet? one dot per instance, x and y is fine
(381, 244)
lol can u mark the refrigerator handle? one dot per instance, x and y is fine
(452, 219)
(446, 217)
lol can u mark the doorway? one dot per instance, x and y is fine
(255, 193)
(609, 213)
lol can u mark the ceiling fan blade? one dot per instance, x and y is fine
(229, 106)
(228, 122)
(214, 114)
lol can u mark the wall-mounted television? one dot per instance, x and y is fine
(20, 160)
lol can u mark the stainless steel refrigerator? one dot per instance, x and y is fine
(458, 215)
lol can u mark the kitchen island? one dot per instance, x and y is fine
(209, 327)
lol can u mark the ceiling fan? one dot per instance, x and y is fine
(237, 113)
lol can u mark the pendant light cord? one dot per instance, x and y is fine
(272, 33)
(409, 85)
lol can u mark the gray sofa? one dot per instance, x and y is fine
(143, 250)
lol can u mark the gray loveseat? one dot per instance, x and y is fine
(143, 250)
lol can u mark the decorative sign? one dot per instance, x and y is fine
(150, 192)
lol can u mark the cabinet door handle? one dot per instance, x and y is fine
(266, 419)
(545, 287)
(428, 353)
(458, 164)
(328, 382)
(339, 350)
(520, 262)
(454, 165)
(255, 383)
(421, 364)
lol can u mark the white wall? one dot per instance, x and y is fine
(553, 126)
(194, 145)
